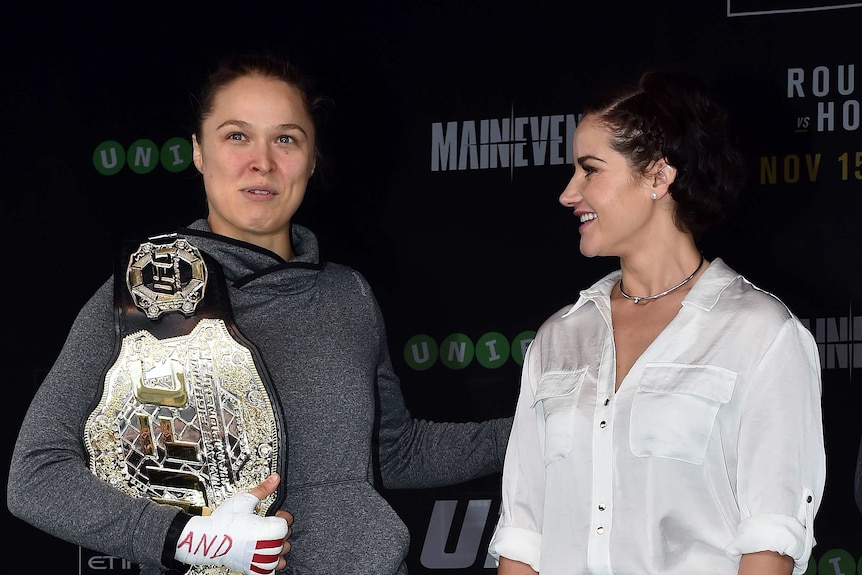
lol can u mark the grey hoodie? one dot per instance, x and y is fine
(321, 335)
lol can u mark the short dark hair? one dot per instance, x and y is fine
(674, 116)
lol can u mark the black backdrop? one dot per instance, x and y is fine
(471, 245)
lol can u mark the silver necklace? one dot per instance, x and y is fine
(637, 298)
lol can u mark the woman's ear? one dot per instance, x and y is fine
(197, 157)
(664, 174)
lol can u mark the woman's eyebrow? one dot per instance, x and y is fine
(245, 126)
(583, 159)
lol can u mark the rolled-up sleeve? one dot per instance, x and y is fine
(782, 462)
(518, 532)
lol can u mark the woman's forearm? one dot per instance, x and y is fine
(765, 563)
(510, 567)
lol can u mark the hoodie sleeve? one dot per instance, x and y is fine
(50, 484)
(415, 453)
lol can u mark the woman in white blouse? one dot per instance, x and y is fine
(669, 422)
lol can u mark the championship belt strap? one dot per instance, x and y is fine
(187, 415)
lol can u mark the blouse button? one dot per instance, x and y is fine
(600, 530)
(809, 499)
(603, 424)
(607, 401)
(602, 507)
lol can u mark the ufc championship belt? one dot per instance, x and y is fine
(187, 414)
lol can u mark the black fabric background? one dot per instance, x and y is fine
(454, 251)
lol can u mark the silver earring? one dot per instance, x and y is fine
(654, 196)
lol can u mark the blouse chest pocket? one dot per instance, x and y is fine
(558, 393)
(674, 410)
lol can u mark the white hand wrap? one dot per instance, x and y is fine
(235, 537)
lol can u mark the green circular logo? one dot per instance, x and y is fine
(456, 351)
(420, 352)
(143, 156)
(520, 345)
(176, 154)
(835, 561)
(109, 157)
(492, 350)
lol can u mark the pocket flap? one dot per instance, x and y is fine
(707, 381)
(559, 384)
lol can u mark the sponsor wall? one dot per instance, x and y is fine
(448, 145)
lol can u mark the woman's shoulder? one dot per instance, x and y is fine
(756, 307)
(344, 276)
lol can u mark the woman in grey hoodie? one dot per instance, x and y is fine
(320, 340)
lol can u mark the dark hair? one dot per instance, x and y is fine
(672, 115)
(268, 65)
